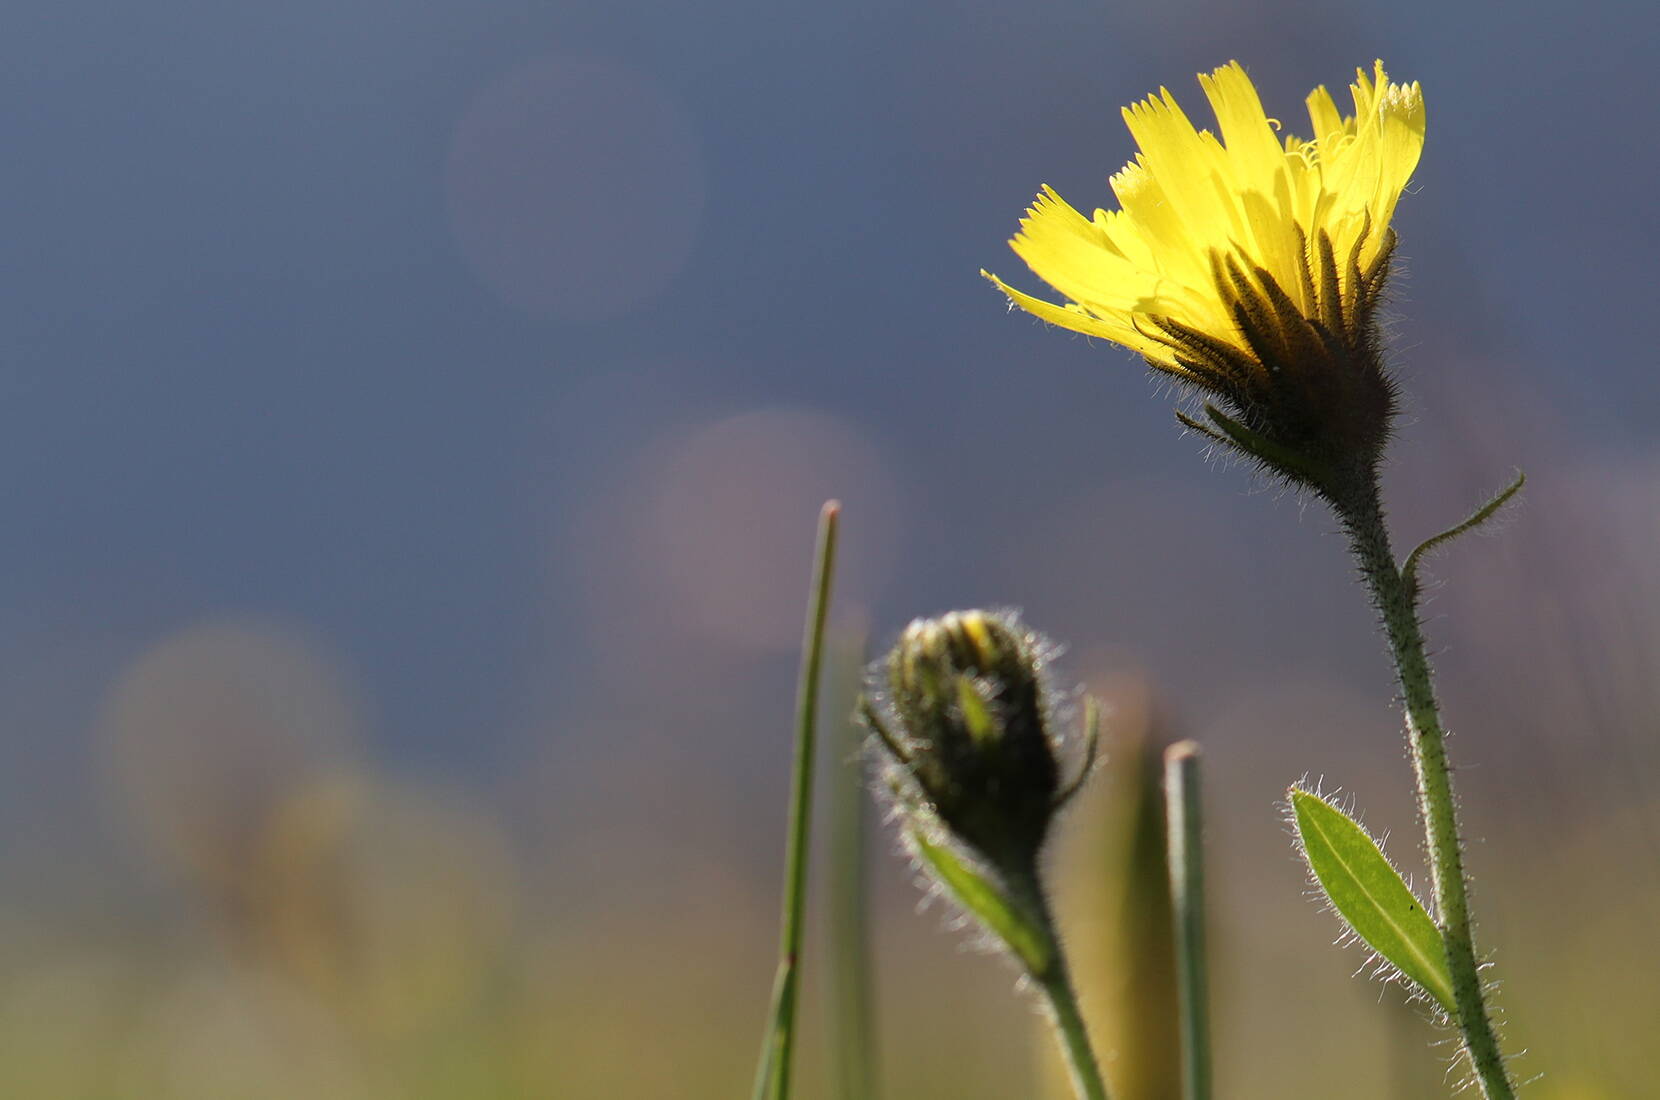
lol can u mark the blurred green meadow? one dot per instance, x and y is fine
(289, 917)
(411, 423)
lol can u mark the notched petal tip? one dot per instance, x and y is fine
(1067, 316)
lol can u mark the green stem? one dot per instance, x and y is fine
(1071, 1032)
(772, 1076)
(1055, 981)
(1187, 897)
(1362, 514)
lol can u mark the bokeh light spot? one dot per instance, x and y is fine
(208, 731)
(575, 188)
(728, 518)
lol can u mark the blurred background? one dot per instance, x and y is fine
(412, 422)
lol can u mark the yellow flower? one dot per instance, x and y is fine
(1247, 266)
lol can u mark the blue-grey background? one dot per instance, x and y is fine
(474, 372)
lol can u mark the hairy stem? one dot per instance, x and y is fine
(1073, 1036)
(1362, 514)
(1055, 981)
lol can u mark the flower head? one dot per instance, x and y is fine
(1247, 266)
(967, 730)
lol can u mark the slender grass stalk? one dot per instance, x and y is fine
(1361, 512)
(852, 1027)
(1187, 898)
(772, 1075)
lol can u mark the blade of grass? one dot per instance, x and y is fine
(853, 1029)
(1187, 896)
(772, 1075)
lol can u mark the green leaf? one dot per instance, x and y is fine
(1370, 895)
(1409, 570)
(1006, 920)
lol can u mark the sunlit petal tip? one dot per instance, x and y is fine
(1404, 101)
(1228, 79)
(1068, 316)
(1047, 199)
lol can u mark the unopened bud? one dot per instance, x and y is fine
(965, 725)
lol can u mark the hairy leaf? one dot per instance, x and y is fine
(988, 904)
(1370, 895)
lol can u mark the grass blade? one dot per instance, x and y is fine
(852, 1009)
(772, 1076)
(1187, 902)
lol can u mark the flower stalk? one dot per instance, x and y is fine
(1071, 1032)
(1060, 1001)
(1360, 509)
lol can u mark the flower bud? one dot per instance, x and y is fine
(965, 727)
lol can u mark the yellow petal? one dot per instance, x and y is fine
(1323, 115)
(1254, 152)
(1187, 197)
(1119, 330)
(1178, 157)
